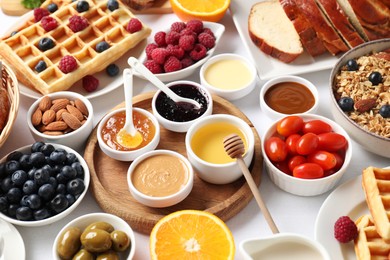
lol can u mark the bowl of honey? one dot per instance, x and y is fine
(287, 95)
(110, 125)
(206, 152)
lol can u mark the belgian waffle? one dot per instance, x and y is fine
(369, 244)
(376, 186)
(22, 52)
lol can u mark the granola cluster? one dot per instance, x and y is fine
(356, 85)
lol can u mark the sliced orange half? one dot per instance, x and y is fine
(191, 234)
(205, 10)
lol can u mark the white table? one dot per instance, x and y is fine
(291, 213)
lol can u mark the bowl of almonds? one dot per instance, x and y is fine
(63, 117)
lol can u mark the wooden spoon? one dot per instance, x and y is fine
(234, 147)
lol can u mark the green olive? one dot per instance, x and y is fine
(69, 243)
(96, 240)
(83, 254)
(101, 225)
(120, 240)
(109, 255)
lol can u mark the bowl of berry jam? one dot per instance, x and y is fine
(178, 117)
(41, 184)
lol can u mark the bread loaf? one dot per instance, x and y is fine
(272, 31)
(4, 108)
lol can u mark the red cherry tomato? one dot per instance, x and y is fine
(307, 144)
(276, 149)
(295, 161)
(332, 142)
(324, 159)
(308, 171)
(283, 167)
(289, 125)
(316, 127)
(339, 161)
(291, 143)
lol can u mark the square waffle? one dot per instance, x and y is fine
(376, 186)
(369, 244)
(22, 52)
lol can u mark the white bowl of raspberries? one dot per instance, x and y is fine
(177, 52)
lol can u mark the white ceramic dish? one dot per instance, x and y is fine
(52, 219)
(13, 242)
(347, 200)
(106, 83)
(267, 66)
(119, 224)
(217, 29)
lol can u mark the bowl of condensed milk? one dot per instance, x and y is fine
(229, 76)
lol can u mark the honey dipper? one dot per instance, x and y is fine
(234, 147)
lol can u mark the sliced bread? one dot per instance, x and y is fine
(332, 41)
(340, 22)
(272, 31)
(310, 41)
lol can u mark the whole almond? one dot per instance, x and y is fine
(36, 117)
(365, 105)
(45, 103)
(71, 120)
(75, 111)
(59, 104)
(56, 126)
(81, 106)
(59, 114)
(48, 116)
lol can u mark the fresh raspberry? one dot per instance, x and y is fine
(209, 31)
(345, 230)
(206, 40)
(172, 64)
(195, 25)
(149, 48)
(153, 66)
(159, 38)
(175, 50)
(186, 62)
(67, 64)
(48, 23)
(134, 25)
(188, 31)
(198, 53)
(178, 26)
(159, 55)
(78, 23)
(172, 38)
(39, 13)
(186, 42)
(90, 83)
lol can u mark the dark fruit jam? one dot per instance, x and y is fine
(177, 112)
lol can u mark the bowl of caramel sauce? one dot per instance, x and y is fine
(287, 95)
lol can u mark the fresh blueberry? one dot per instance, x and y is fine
(45, 44)
(79, 169)
(61, 179)
(68, 172)
(112, 5)
(37, 159)
(24, 213)
(49, 169)
(71, 199)
(375, 77)
(41, 176)
(11, 166)
(58, 156)
(3, 203)
(25, 162)
(29, 187)
(13, 33)
(102, 46)
(82, 6)
(3, 173)
(47, 149)
(71, 158)
(34, 201)
(352, 65)
(36, 147)
(14, 156)
(112, 70)
(31, 173)
(61, 189)
(384, 111)
(41, 66)
(41, 214)
(46, 191)
(23, 201)
(59, 203)
(6, 184)
(53, 182)
(19, 177)
(14, 195)
(346, 104)
(75, 186)
(52, 7)
(12, 210)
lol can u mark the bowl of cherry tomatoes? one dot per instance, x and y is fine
(306, 154)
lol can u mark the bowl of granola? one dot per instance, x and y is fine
(360, 95)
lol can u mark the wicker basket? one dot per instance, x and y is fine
(10, 83)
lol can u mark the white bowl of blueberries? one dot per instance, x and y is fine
(41, 183)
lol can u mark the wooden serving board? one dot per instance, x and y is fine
(109, 177)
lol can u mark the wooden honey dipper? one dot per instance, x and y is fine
(234, 147)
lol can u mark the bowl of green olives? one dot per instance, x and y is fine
(95, 236)
(41, 183)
